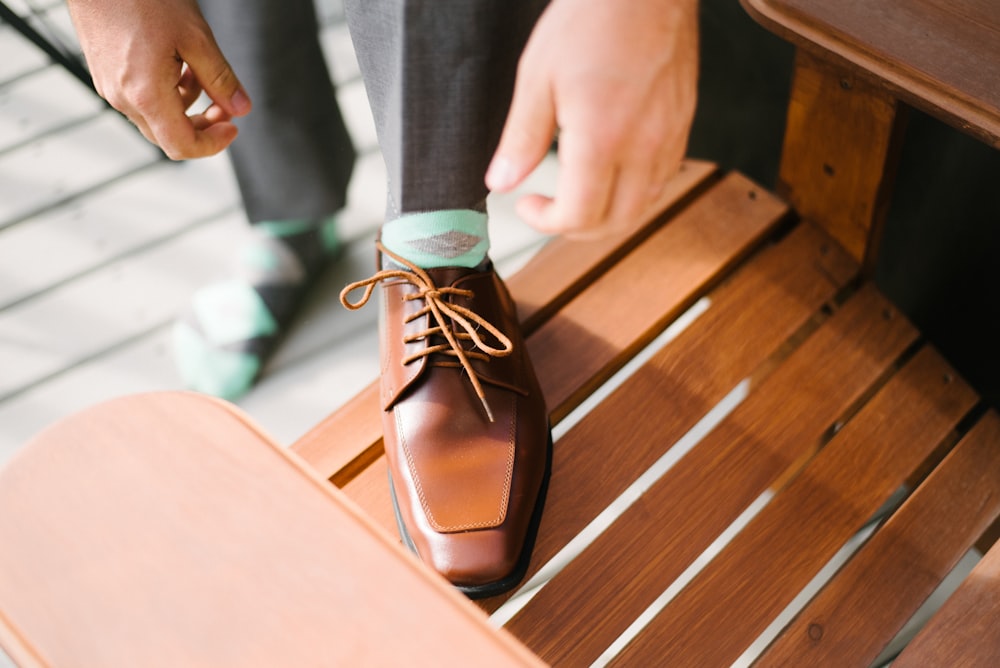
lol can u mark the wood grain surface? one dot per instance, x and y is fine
(165, 529)
(941, 56)
(876, 593)
(683, 512)
(774, 557)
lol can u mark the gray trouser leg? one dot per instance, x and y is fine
(439, 76)
(293, 157)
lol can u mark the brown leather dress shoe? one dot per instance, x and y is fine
(464, 422)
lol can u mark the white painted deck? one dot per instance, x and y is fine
(102, 243)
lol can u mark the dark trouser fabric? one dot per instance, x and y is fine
(293, 157)
(439, 76)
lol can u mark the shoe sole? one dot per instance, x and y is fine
(521, 568)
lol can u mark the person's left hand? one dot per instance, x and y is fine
(619, 82)
(151, 59)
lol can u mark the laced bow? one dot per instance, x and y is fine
(442, 311)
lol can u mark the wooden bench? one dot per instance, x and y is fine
(758, 456)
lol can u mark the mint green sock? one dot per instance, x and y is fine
(233, 326)
(446, 238)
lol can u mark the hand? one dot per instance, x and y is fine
(619, 81)
(151, 59)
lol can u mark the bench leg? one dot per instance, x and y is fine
(840, 153)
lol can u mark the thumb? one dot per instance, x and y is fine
(527, 134)
(217, 78)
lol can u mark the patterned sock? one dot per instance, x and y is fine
(448, 238)
(232, 327)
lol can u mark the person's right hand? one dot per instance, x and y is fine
(151, 59)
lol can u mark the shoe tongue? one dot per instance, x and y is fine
(444, 277)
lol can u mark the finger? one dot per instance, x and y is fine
(211, 116)
(665, 134)
(527, 133)
(531, 207)
(630, 197)
(140, 123)
(188, 87)
(669, 158)
(583, 190)
(180, 136)
(215, 75)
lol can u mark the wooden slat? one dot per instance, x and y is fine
(592, 601)
(350, 439)
(775, 556)
(873, 596)
(964, 632)
(942, 56)
(750, 317)
(622, 311)
(596, 332)
(559, 271)
(166, 530)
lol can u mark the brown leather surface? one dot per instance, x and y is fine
(466, 487)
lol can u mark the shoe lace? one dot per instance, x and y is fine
(437, 306)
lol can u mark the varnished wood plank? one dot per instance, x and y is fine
(750, 317)
(964, 632)
(563, 267)
(165, 529)
(339, 458)
(838, 162)
(370, 490)
(942, 56)
(576, 616)
(775, 556)
(862, 609)
(622, 311)
(346, 441)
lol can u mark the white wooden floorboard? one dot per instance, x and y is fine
(33, 106)
(89, 316)
(136, 211)
(17, 55)
(54, 168)
(353, 102)
(339, 50)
